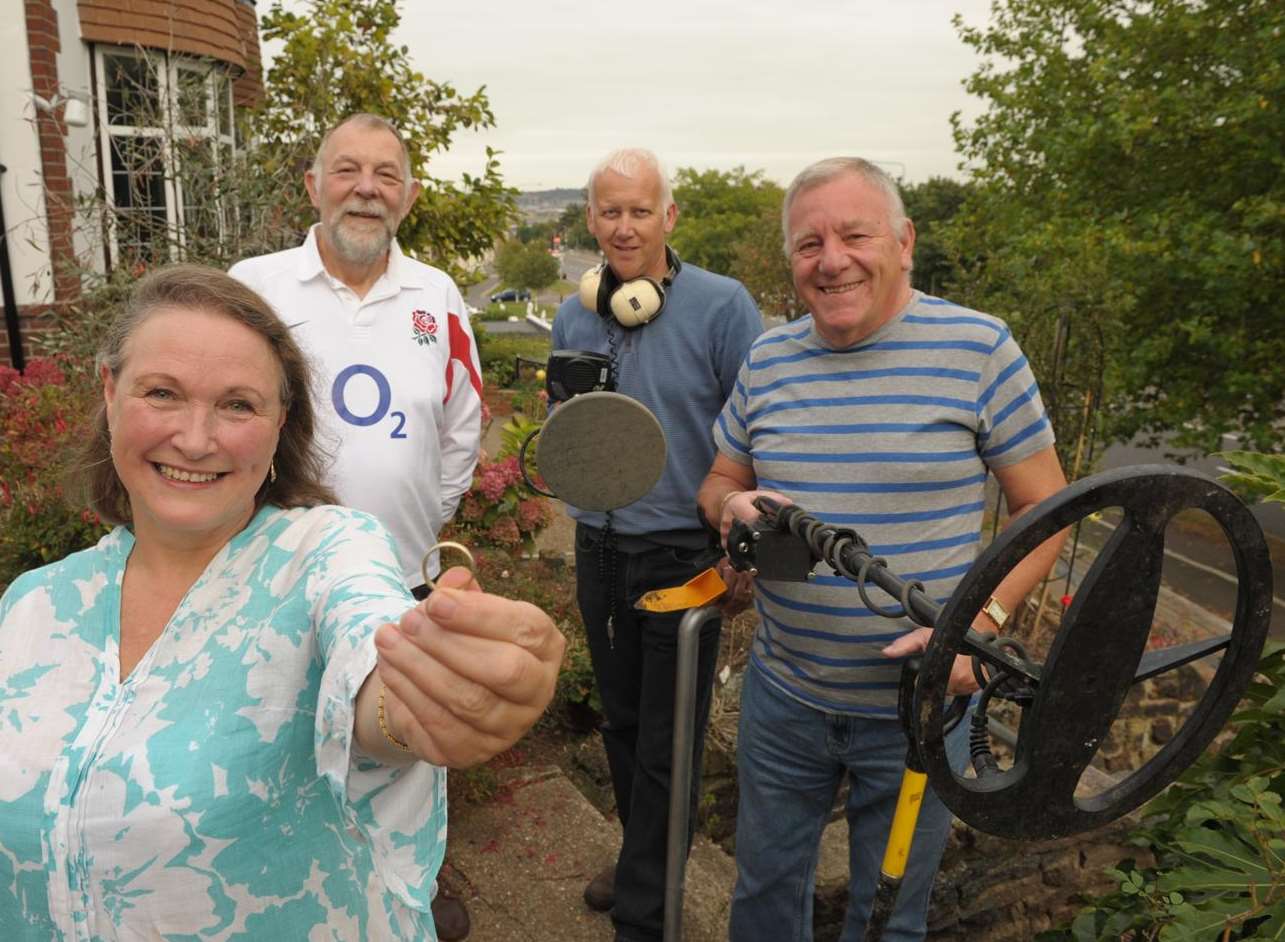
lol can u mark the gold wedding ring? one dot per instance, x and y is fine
(445, 544)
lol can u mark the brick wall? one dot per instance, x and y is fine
(33, 320)
(44, 46)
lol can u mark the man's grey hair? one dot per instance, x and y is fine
(369, 122)
(823, 171)
(627, 162)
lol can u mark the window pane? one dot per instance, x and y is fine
(193, 98)
(132, 96)
(138, 191)
(200, 190)
(223, 95)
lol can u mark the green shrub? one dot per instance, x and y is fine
(531, 399)
(499, 352)
(501, 311)
(42, 417)
(1218, 836)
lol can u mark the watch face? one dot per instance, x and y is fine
(995, 609)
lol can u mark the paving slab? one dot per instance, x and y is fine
(522, 861)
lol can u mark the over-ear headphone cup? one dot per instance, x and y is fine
(632, 303)
(636, 302)
(590, 282)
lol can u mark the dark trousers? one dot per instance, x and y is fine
(635, 670)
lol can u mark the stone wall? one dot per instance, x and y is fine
(988, 888)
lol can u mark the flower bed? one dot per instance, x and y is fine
(43, 414)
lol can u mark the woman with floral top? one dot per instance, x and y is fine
(226, 720)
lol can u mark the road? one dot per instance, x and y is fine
(575, 263)
(1198, 563)
(1198, 560)
(1270, 516)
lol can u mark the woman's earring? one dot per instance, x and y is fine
(272, 471)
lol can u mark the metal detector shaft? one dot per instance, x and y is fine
(902, 834)
(680, 782)
(848, 555)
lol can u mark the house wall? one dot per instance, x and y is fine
(48, 48)
(24, 203)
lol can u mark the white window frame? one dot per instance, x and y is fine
(166, 67)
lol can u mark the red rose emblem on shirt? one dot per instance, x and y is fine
(424, 327)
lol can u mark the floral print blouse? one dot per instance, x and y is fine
(217, 792)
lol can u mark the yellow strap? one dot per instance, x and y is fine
(693, 593)
(903, 823)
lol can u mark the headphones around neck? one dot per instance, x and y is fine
(632, 303)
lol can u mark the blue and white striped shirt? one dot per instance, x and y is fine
(893, 437)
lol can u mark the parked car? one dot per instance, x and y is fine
(511, 294)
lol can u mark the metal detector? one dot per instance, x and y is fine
(1069, 701)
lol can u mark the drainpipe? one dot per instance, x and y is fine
(6, 289)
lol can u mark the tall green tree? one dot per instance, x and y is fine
(932, 205)
(574, 230)
(1130, 205)
(759, 263)
(337, 58)
(526, 265)
(715, 208)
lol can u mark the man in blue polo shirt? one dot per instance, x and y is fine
(681, 364)
(884, 411)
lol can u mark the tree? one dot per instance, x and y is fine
(715, 208)
(574, 230)
(338, 58)
(759, 263)
(525, 265)
(539, 232)
(931, 205)
(1130, 204)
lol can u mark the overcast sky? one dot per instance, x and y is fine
(768, 84)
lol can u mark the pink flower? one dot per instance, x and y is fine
(533, 514)
(511, 470)
(492, 482)
(9, 378)
(470, 509)
(505, 532)
(44, 371)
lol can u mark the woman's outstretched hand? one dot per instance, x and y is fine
(466, 673)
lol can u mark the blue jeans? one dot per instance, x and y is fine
(790, 759)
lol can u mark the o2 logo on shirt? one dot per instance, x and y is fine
(384, 399)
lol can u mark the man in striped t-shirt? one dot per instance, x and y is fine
(883, 410)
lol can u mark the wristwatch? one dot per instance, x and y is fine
(996, 610)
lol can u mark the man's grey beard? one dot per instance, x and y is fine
(359, 249)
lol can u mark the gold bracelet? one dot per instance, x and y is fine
(383, 725)
(722, 504)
